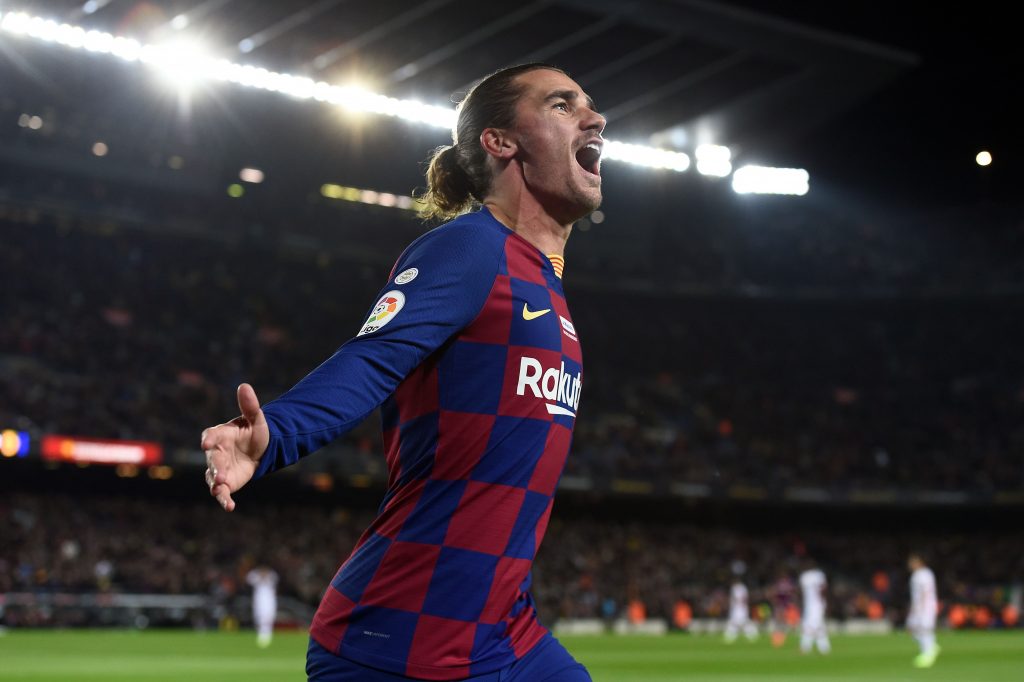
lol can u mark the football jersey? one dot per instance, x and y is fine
(472, 355)
(264, 588)
(738, 601)
(813, 583)
(923, 595)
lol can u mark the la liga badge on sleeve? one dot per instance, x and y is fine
(387, 307)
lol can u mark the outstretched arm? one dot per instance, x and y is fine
(453, 269)
(234, 449)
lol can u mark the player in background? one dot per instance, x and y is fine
(814, 587)
(472, 356)
(263, 581)
(739, 608)
(924, 609)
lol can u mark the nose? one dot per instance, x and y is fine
(593, 121)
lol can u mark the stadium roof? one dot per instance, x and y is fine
(774, 80)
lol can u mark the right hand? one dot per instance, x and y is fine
(233, 450)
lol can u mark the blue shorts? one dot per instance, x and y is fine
(548, 661)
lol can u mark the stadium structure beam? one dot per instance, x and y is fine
(283, 26)
(839, 69)
(198, 12)
(81, 11)
(335, 54)
(742, 29)
(626, 61)
(673, 86)
(571, 40)
(454, 47)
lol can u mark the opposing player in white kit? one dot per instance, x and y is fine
(739, 613)
(924, 608)
(264, 603)
(812, 621)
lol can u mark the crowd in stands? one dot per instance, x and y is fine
(119, 333)
(586, 568)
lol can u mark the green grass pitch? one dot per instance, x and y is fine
(166, 656)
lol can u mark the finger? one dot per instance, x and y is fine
(215, 478)
(248, 403)
(211, 438)
(223, 495)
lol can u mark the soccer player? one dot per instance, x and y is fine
(263, 581)
(739, 612)
(924, 608)
(813, 632)
(472, 355)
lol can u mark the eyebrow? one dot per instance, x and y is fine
(570, 95)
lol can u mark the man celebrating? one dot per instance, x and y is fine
(471, 353)
(924, 608)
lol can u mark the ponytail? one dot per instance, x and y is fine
(450, 190)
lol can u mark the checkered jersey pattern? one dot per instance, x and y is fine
(476, 434)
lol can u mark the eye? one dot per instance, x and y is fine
(564, 106)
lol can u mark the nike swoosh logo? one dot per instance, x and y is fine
(533, 315)
(558, 409)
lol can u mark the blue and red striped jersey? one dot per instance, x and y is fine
(472, 355)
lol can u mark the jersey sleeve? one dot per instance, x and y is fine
(416, 312)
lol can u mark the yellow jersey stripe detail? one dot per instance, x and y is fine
(558, 263)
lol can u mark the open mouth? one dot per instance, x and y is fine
(589, 158)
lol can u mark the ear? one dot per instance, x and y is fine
(498, 143)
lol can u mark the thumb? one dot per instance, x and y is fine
(249, 404)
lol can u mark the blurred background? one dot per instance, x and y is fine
(800, 303)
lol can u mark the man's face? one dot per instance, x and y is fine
(559, 137)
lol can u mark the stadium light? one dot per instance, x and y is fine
(192, 65)
(983, 158)
(182, 63)
(251, 175)
(640, 155)
(766, 180)
(714, 160)
(31, 122)
(368, 196)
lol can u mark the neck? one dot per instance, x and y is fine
(521, 213)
